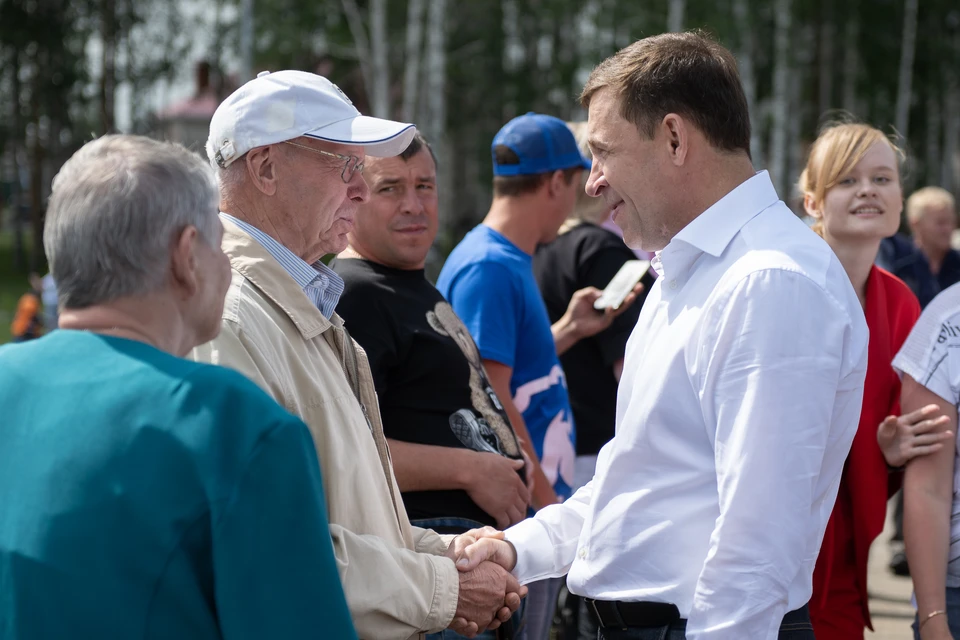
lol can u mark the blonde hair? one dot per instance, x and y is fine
(834, 154)
(928, 198)
(587, 208)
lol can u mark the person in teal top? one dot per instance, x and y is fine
(143, 495)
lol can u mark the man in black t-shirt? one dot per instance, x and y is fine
(455, 455)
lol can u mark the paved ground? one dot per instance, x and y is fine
(889, 595)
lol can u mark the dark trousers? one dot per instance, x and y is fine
(796, 626)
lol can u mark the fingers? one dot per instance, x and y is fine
(916, 452)
(930, 438)
(925, 426)
(516, 464)
(464, 628)
(504, 518)
(504, 614)
(497, 551)
(922, 413)
(516, 514)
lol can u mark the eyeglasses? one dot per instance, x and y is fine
(352, 166)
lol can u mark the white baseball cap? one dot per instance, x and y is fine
(279, 106)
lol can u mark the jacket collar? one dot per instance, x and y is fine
(251, 260)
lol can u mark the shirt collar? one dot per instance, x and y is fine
(317, 275)
(713, 229)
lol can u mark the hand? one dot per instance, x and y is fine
(909, 436)
(496, 487)
(488, 596)
(477, 548)
(587, 321)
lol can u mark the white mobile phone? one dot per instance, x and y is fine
(622, 284)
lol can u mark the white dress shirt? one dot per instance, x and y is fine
(739, 400)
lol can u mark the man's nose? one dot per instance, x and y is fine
(596, 181)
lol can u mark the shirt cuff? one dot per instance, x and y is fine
(446, 594)
(534, 551)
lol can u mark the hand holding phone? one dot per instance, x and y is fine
(622, 284)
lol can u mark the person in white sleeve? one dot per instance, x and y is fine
(742, 381)
(929, 362)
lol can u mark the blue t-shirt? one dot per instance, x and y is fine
(146, 496)
(490, 284)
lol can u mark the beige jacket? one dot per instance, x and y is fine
(397, 584)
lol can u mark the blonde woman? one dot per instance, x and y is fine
(851, 186)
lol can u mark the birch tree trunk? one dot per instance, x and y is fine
(851, 58)
(827, 63)
(380, 94)
(745, 58)
(950, 165)
(411, 69)
(907, 50)
(781, 95)
(675, 15)
(108, 82)
(932, 145)
(436, 98)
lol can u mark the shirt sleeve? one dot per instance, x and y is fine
(547, 543)
(926, 354)
(486, 300)
(772, 387)
(274, 567)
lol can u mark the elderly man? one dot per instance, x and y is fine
(144, 495)
(742, 381)
(290, 149)
(928, 265)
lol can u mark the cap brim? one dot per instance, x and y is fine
(379, 138)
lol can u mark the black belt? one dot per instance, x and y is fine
(622, 615)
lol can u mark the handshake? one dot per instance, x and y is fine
(489, 594)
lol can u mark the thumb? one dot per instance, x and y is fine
(517, 464)
(481, 550)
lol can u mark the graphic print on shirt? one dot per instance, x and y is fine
(558, 452)
(482, 427)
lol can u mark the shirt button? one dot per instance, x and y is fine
(582, 553)
(673, 284)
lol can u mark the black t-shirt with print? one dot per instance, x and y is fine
(430, 381)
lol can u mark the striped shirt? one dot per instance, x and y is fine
(320, 283)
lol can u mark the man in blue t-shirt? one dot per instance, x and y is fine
(489, 281)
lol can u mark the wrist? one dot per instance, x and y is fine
(467, 464)
(566, 327)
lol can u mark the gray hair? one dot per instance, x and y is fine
(117, 205)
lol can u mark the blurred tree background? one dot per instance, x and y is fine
(75, 69)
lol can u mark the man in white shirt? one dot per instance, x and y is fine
(742, 383)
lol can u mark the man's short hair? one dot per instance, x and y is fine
(116, 206)
(689, 74)
(419, 142)
(928, 198)
(512, 186)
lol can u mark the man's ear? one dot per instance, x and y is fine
(183, 262)
(261, 167)
(557, 183)
(676, 136)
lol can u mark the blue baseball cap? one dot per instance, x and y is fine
(543, 144)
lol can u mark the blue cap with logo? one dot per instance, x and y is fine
(542, 143)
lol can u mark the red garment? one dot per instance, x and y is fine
(866, 485)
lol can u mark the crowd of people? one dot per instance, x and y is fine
(232, 436)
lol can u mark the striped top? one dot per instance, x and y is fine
(319, 282)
